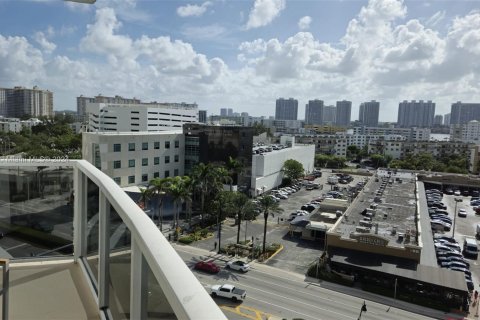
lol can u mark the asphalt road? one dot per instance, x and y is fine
(276, 294)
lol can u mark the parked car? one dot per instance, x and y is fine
(462, 213)
(441, 253)
(464, 270)
(449, 259)
(441, 217)
(308, 207)
(238, 265)
(450, 264)
(207, 266)
(457, 193)
(446, 238)
(448, 191)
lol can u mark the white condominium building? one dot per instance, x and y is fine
(135, 158)
(116, 117)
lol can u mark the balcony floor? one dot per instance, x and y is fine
(49, 290)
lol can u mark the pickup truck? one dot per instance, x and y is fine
(228, 291)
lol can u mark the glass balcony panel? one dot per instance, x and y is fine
(157, 304)
(92, 206)
(36, 211)
(120, 254)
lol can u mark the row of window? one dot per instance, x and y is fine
(117, 147)
(117, 164)
(131, 179)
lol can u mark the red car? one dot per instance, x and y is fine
(207, 266)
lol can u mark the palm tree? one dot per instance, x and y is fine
(234, 167)
(224, 204)
(244, 209)
(269, 207)
(202, 176)
(176, 187)
(145, 195)
(159, 186)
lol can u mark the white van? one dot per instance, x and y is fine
(470, 247)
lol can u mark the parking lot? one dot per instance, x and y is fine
(296, 200)
(299, 254)
(462, 227)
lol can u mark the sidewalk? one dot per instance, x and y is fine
(356, 292)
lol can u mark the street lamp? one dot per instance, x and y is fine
(457, 200)
(363, 309)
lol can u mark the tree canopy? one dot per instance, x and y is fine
(293, 170)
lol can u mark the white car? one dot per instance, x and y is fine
(457, 193)
(238, 265)
(462, 213)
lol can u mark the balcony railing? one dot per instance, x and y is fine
(125, 259)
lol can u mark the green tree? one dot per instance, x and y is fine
(177, 188)
(321, 160)
(159, 186)
(268, 206)
(352, 152)
(243, 209)
(203, 176)
(145, 195)
(293, 170)
(234, 167)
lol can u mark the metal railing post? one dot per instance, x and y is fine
(138, 283)
(103, 251)
(4, 263)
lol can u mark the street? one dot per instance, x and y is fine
(281, 294)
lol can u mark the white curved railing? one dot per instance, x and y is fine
(185, 295)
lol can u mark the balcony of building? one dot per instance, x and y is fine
(77, 247)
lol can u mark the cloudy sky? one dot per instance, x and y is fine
(243, 54)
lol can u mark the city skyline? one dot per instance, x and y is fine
(216, 53)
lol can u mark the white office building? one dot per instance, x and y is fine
(469, 132)
(135, 158)
(267, 167)
(115, 117)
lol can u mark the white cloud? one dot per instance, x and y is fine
(206, 32)
(304, 22)
(41, 39)
(125, 9)
(77, 7)
(20, 62)
(264, 12)
(193, 9)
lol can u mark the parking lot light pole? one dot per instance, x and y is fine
(457, 200)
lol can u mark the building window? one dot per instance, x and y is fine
(156, 160)
(167, 159)
(156, 145)
(131, 146)
(144, 177)
(167, 173)
(176, 158)
(131, 179)
(117, 180)
(144, 145)
(117, 164)
(167, 144)
(156, 174)
(145, 162)
(131, 163)
(177, 144)
(175, 172)
(117, 147)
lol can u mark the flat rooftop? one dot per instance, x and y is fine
(394, 216)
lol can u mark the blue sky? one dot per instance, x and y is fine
(244, 54)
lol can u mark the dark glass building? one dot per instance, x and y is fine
(215, 144)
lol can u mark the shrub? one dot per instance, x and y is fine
(187, 239)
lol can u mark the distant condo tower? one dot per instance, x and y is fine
(314, 112)
(368, 115)
(344, 112)
(416, 114)
(286, 109)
